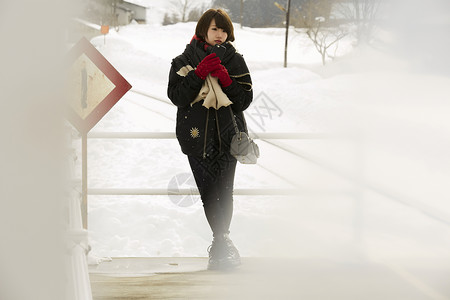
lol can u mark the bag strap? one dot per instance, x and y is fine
(234, 120)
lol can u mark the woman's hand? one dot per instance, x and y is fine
(222, 74)
(207, 65)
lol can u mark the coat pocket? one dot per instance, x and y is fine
(190, 130)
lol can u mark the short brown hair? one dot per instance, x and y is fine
(222, 19)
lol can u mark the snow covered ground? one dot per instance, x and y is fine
(399, 116)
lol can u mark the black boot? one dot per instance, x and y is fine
(223, 254)
(232, 258)
(216, 253)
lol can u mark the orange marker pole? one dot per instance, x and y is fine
(104, 30)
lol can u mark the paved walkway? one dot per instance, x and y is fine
(259, 278)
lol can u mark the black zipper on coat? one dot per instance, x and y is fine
(206, 133)
(218, 132)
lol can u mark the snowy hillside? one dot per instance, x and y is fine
(363, 92)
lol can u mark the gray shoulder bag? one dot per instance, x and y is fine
(242, 147)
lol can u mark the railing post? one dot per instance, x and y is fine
(84, 180)
(78, 281)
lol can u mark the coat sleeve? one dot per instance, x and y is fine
(240, 92)
(182, 90)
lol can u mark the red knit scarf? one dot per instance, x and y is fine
(195, 37)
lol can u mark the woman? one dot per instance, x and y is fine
(208, 90)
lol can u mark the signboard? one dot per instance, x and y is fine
(104, 29)
(95, 86)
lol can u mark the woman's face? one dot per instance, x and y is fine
(215, 35)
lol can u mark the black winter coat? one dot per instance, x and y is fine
(201, 131)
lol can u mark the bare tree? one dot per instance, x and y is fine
(187, 11)
(364, 14)
(316, 15)
(196, 13)
(170, 19)
(325, 39)
(185, 7)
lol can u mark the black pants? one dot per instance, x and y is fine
(215, 179)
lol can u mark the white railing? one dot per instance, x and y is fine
(171, 135)
(357, 179)
(354, 193)
(241, 192)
